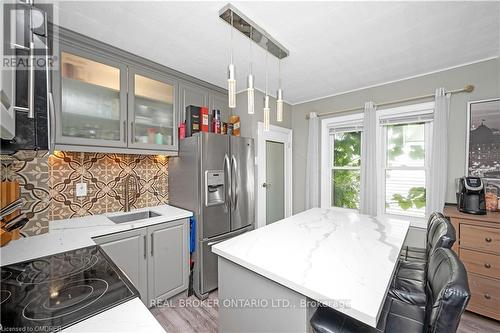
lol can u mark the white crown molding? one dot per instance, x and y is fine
(397, 80)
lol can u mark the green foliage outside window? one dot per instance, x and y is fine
(346, 183)
(416, 195)
(346, 188)
(347, 153)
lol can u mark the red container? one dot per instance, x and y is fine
(182, 130)
(204, 119)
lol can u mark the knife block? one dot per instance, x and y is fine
(9, 192)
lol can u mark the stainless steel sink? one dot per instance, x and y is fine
(129, 217)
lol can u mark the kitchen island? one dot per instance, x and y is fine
(273, 278)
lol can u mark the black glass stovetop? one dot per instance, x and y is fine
(50, 293)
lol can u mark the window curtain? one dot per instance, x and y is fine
(312, 170)
(438, 164)
(368, 187)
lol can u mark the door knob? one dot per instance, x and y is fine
(265, 185)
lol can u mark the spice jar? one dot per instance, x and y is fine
(491, 197)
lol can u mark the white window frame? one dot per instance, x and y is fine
(411, 110)
(326, 155)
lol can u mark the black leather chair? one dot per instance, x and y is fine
(417, 254)
(448, 295)
(410, 280)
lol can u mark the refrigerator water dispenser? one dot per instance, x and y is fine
(214, 187)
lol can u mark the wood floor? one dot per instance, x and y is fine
(188, 314)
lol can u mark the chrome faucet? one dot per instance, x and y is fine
(126, 191)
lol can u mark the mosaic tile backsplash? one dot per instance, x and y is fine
(31, 170)
(48, 184)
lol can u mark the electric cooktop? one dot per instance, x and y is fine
(50, 293)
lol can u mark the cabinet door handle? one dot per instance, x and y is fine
(145, 246)
(125, 131)
(52, 123)
(488, 239)
(152, 243)
(487, 265)
(31, 78)
(487, 296)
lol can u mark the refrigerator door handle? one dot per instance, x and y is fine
(234, 194)
(227, 182)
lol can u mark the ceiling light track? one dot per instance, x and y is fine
(247, 27)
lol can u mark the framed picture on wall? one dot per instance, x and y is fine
(483, 139)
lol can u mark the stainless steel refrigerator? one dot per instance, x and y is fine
(213, 177)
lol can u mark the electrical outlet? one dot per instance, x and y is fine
(81, 189)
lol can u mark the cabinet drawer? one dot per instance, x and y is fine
(485, 295)
(480, 238)
(481, 263)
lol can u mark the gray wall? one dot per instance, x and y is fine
(249, 122)
(485, 76)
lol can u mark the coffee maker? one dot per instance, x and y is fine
(470, 196)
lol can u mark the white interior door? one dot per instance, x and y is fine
(274, 174)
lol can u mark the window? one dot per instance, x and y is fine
(341, 161)
(404, 135)
(403, 145)
(346, 165)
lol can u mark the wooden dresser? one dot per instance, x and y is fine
(478, 246)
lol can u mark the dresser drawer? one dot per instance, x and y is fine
(480, 238)
(485, 295)
(481, 263)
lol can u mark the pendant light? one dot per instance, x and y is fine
(231, 76)
(250, 81)
(279, 96)
(266, 104)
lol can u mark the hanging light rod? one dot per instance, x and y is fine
(244, 25)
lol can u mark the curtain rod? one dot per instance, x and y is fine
(468, 88)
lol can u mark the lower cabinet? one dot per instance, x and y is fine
(154, 258)
(128, 251)
(168, 265)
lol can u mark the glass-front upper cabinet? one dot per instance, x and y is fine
(152, 116)
(92, 101)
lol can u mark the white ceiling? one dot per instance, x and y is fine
(334, 46)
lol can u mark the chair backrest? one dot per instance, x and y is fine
(441, 233)
(433, 216)
(447, 291)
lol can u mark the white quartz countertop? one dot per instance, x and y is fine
(333, 256)
(131, 316)
(70, 234)
(75, 233)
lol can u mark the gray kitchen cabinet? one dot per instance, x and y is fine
(152, 114)
(155, 258)
(109, 100)
(191, 95)
(128, 250)
(91, 100)
(168, 271)
(218, 101)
